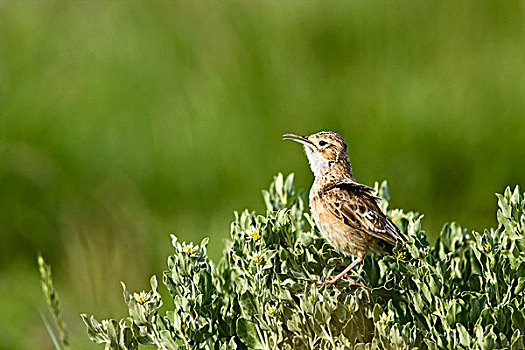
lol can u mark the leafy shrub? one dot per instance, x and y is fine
(464, 292)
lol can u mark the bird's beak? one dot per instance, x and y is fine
(298, 138)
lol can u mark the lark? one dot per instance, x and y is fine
(346, 212)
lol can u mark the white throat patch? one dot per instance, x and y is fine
(317, 163)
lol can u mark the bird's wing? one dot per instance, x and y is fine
(357, 206)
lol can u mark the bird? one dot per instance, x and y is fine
(346, 212)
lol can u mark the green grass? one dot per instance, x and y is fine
(123, 122)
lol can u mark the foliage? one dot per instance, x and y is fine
(465, 292)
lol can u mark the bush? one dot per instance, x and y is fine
(464, 292)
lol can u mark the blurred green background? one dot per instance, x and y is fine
(122, 122)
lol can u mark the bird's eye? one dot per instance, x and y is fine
(322, 143)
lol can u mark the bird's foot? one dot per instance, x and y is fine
(332, 281)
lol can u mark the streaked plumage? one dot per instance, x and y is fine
(346, 212)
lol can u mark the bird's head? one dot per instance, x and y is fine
(323, 149)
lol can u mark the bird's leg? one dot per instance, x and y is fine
(333, 279)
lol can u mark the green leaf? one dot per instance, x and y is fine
(279, 184)
(294, 324)
(267, 200)
(94, 330)
(518, 319)
(289, 184)
(464, 337)
(247, 333)
(517, 342)
(248, 305)
(520, 285)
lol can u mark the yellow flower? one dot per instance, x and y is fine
(254, 234)
(190, 249)
(400, 255)
(257, 258)
(270, 311)
(141, 297)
